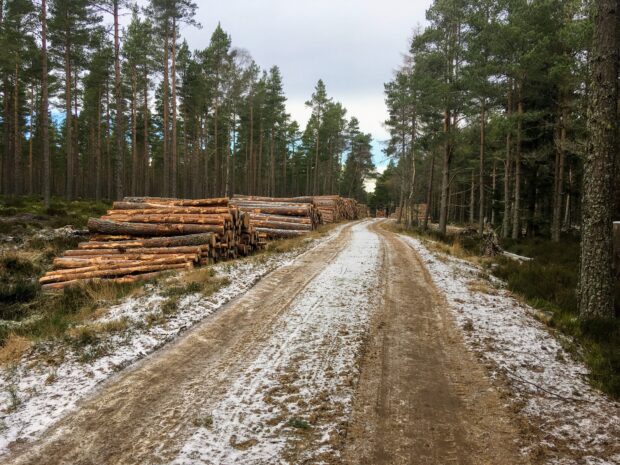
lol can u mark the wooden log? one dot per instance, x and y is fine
(172, 241)
(273, 199)
(146, 229)
(219, 219)
(130, 250)
(125, 279)
(275, 209)
(281, 218)
(152, 209)
(179, 202)
(280, 233)
(281, 225)
(105, 260)
(112, 272)
(112, 266)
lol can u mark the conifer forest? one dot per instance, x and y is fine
(310, 232)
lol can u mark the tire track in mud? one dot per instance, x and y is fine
(289, 404)
(422, 398)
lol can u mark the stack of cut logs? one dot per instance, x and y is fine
(276, 218)
(334, 208)
(143, 236)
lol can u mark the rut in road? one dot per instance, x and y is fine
(422, 397)
(347, 355)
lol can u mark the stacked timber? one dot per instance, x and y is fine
(334, 208)
(143, 236)
(275, 218)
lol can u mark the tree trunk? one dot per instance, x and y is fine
(45, 108)
(166, 160)
(118, 129)
(445, 175)
(98, 151)
(472, 198)
(68, 121)
(516, 219)
(429, 192)
(30, 147)
(507, 168)
(481, 211)
(216, 171)
(146, 164)
(134, 133)
(108, 141)
(558, 191)
(173, 148)
(596, 283)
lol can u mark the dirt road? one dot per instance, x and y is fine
(348, 355)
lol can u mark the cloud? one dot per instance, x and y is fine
(353, 45)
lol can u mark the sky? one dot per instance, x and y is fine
(353, 45)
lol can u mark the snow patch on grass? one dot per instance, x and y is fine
(301, 384)
(571, 422)
(47, 383)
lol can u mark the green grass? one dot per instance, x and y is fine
(549, 283)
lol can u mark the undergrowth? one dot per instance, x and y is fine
(549, 283)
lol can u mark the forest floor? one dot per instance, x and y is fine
(369, 347)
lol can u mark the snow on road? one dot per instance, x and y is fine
(578, 425)
(35, 393)
(303, 378)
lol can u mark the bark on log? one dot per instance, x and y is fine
(281, 225)
(219, 219)
(124, 259)
(280, 218)
(275, 209)
(122, 208)
(113, 272)
(280, 233)
(124, 280)
(113, 266)
(179, 202)
(145, 229)
(138, 250)
(273, 199)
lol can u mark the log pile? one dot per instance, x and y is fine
(143, 236)
(276, 218)
(334, 208)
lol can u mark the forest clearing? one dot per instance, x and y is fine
(400, 244)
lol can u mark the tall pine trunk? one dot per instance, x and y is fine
(30, 140)
(68, 120)
(98, 150)
(173, 148)
(134, 133)
(516, 218)
(166, 114)
(45, 109)
(596, 282)
(558, 191)
(481, 212)
(118, 127)
(145, 132)
(508, 168)
(445, 174)
(429, 192)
